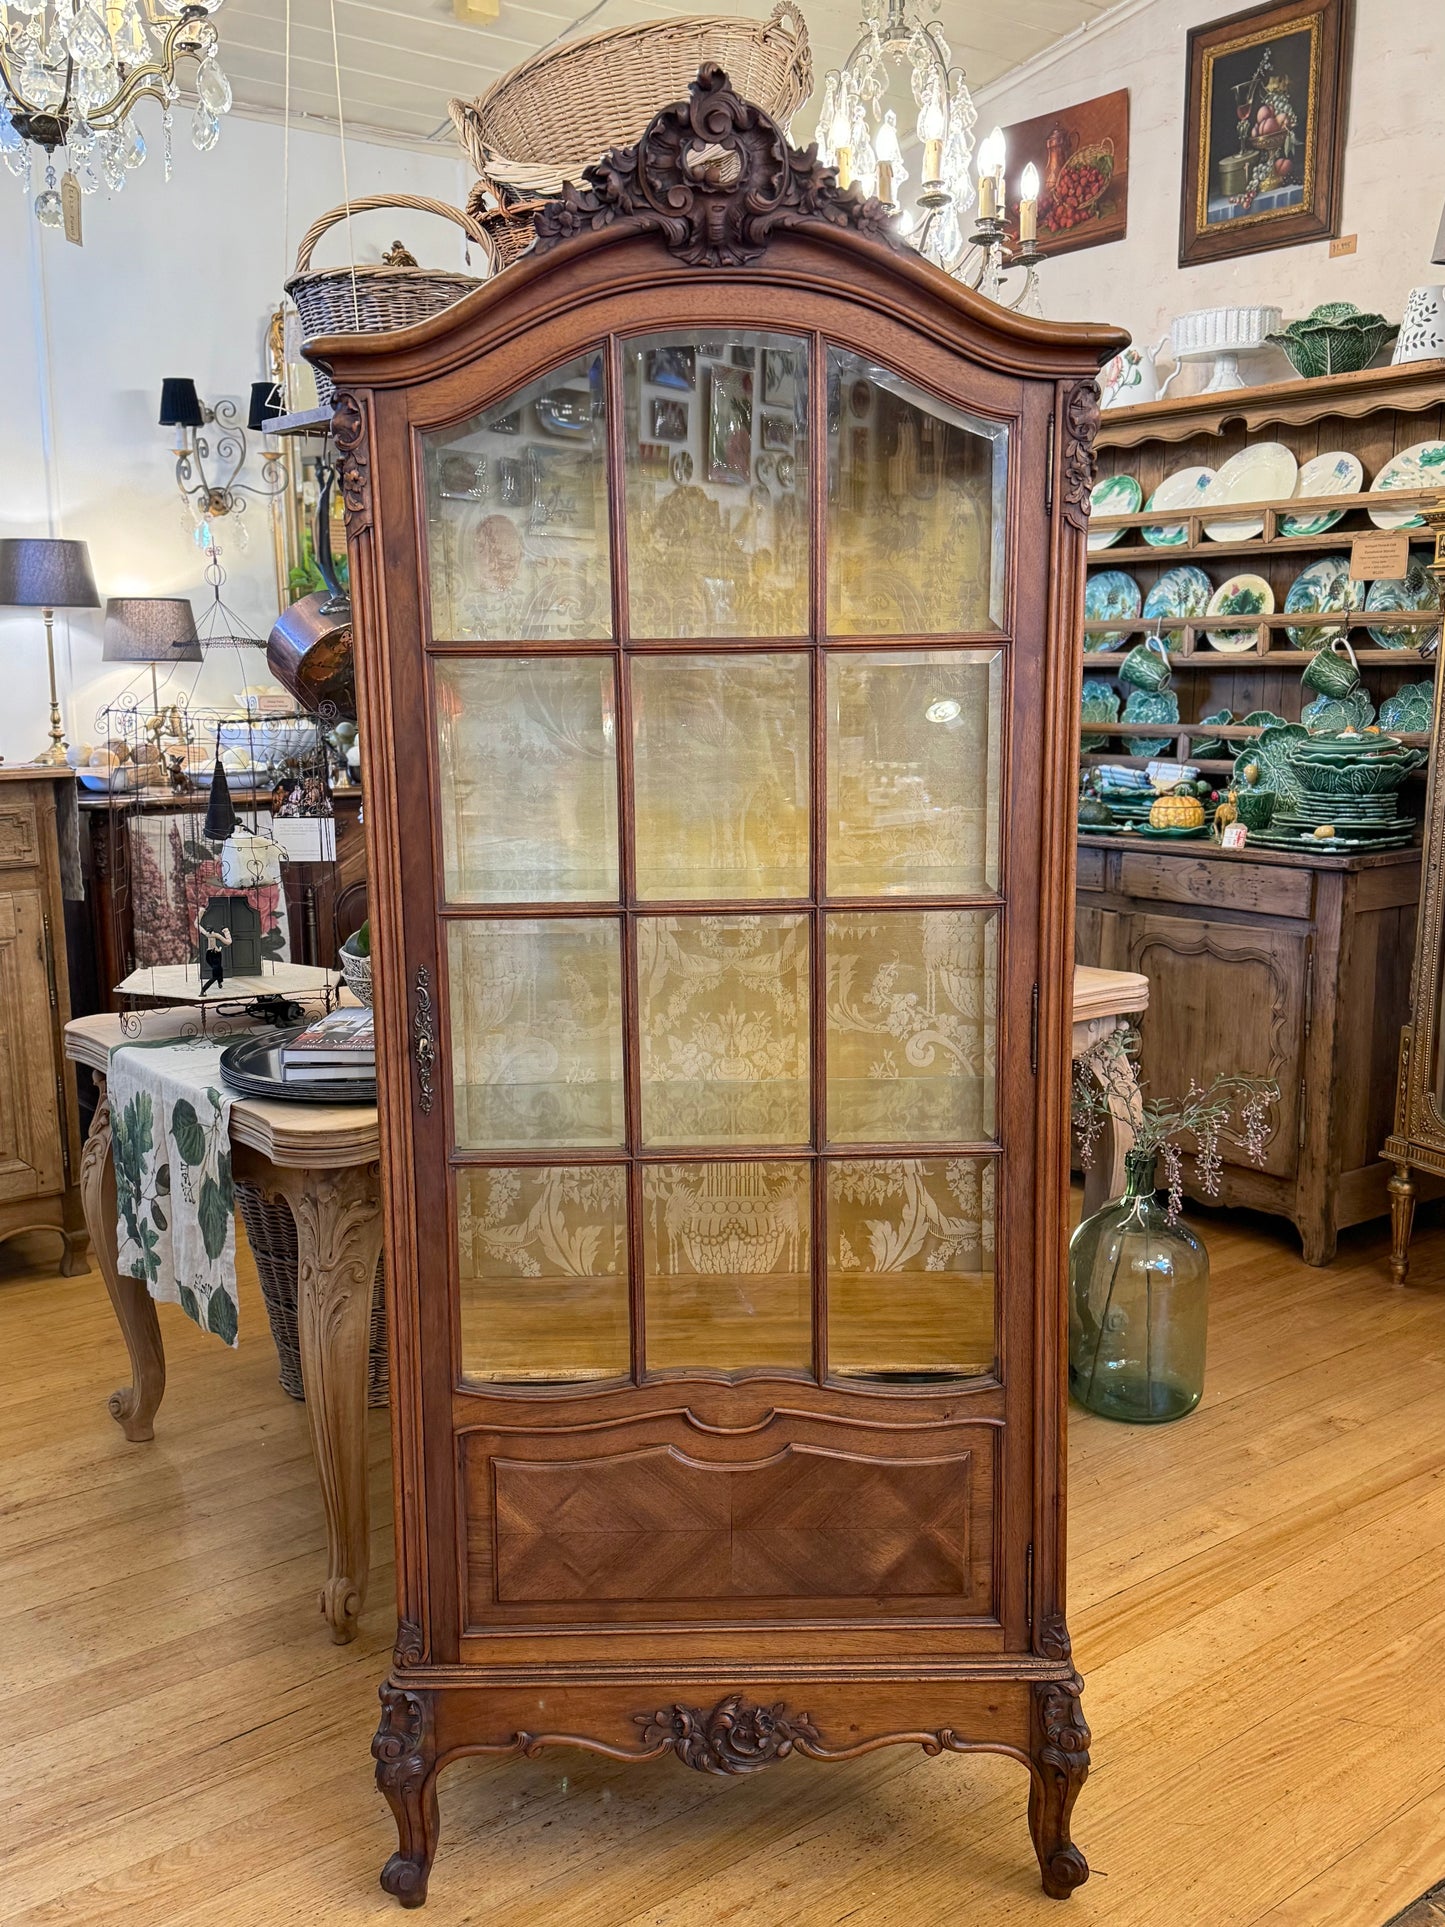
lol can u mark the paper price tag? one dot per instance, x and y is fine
(70, 207)
(1236, 835)
(1380, 555)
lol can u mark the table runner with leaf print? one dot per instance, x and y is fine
(170, 1120)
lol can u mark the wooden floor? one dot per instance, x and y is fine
(1258, 1605)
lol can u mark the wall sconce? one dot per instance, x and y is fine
(208, 464)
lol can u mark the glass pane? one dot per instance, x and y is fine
(543, 1259)
(912, 997)
(717, 484)
(723, 1005)
(528, 757)
(913, 773)
(917, 498)
(516, 507)
(720, 776)
(727, 1256)
(536, 1015)
(910, 1268)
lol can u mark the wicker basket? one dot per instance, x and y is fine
(271, 1234)
(546, 120)
(509, 218)
(375, 297)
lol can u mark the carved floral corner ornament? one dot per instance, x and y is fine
(734, 1738)
(717, 177)
(348, 427)
(1081, 425)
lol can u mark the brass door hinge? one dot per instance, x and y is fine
(1049, 468)
(1300, 1139)
(1309, 991)
(50, 962)
(1029, 1586)
(1034, 1032)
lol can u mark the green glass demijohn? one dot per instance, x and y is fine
(1138, 1306)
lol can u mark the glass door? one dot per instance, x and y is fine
(719, 676)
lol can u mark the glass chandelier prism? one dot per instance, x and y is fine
(72, 73)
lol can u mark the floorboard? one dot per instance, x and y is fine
(1257, 1601)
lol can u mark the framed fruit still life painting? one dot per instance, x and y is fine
(1264, 129)
(1082, 154)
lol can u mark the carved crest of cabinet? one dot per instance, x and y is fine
(716, 586)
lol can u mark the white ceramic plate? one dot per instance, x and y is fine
(1422, 466)
(1242, 595)
(1267, 472)
(1114, 495)
(1181, 490)
(1338, 473)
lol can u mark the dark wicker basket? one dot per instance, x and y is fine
(271, 1234)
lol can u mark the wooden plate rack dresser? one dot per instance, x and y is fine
(717, 572)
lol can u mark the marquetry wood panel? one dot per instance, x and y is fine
(660, 1525)
(643, 1518)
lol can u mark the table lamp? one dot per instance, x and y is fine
(150, 629)
(46, 573)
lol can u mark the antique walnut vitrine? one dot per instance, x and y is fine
(717, 572)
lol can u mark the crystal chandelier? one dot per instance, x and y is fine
(72, 73)
(860, 137)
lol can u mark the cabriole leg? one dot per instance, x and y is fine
(405, 1753)
(1061, 1765)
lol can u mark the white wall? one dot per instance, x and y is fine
(173, 279)
(1394, 172)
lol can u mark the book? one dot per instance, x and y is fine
(326, 1073)
(346, 1037)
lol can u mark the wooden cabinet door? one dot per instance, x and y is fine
(31, 1159)
(1224, 997)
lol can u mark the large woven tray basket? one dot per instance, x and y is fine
(271, 1234)
(541, 124)
(374, 297)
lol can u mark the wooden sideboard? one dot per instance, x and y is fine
(1296, 968)
(39, 1126)
(325, 902)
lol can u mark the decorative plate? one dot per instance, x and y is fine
(1410, 708)
(1328, 715)
(1173, 829)
(1183, 592)
(1338, 473)
(1322, 589)
(1211, 745)
(1416, 591)
(1114, 495)
(1181, 490)
(1099, 704)
(1112, 594)
(1267, 472)
(1151, 706)
(1422, 466)
(1241, 595)
(1256, 719)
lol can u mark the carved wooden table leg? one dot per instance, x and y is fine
(1061, 1765)
(405, 1753)
(1402, 1221)
(338, 1238)
(134, 1406)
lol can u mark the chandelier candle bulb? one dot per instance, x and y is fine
(890, 158)
(932, 126)
(1029, 206)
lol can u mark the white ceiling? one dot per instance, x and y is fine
(401, 62)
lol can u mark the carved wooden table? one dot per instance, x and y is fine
(322, 1159)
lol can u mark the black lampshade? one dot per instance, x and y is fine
(150, 629)
(265, 404)
(180, 404)
(220, 811)
(44, 572)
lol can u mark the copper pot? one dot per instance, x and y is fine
(309, 650)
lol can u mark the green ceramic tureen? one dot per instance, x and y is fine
(1336, 339)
